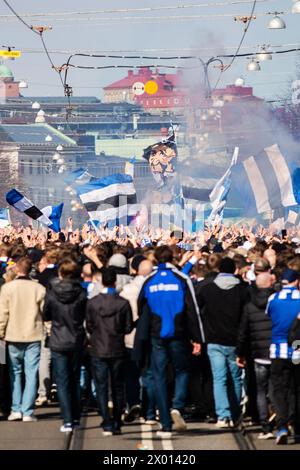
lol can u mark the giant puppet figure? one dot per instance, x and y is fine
(162, 160)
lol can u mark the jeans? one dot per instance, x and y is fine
(132, 381)
(24, 356)
(262, 374)
(177, 352)
(285, 379)
(227, 381)
(44, 371)
(66, 369)
(102, 369)
(86, 383)
(148, 385)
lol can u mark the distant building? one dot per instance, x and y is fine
(172, 95)
(9, 88)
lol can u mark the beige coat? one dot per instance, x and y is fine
(21, 304)
(131, 292)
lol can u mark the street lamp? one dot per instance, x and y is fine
(263, 54)
(36, 105)
(296, 7)
(23, 84)
(59, 148)
(205, 66)
(276, 22)
(253, 66)
(48, 138)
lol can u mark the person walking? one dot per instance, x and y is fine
(108, 320)
(21, 326)
(256, 327)
(65, 306)
(221, 303)
(167, 298)
(283, 308)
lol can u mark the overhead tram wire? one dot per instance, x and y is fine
(239, 45)
(138, 9)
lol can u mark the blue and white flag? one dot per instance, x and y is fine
(265, 182)
(4, 218)
(218, 196)
(129, 167)
(110, 199)
(49, 216)
(80, 176)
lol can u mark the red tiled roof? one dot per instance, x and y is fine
(143, 75)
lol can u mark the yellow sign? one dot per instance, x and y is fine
(10, 54)
(151, 87)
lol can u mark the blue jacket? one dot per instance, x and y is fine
(283, 307)
(169, 298)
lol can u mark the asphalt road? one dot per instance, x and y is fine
(45, 435)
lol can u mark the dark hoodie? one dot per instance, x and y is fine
(65, 305)
(255, 327)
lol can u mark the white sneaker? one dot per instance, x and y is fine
(223, 423)
(15, 416)
(30, 419)
(152, 422)
(107, 433)
(66, 428)
(266, 435)
(40, 401)
(179, 423)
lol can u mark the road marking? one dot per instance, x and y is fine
(167, 444)
(147, 442)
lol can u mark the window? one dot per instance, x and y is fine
(176, 101)
(30, 167)
(39, 167)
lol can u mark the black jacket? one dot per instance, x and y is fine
(221, 309)
(108, 320)
(294, 333)
(47, 276)
(255, 328)
(65, 306)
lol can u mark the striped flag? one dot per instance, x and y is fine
(265, 182)
(219, 194)
(110, 199)
(49, 216)
(80, 176)
(4, 218)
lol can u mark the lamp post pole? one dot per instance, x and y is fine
(205, 65)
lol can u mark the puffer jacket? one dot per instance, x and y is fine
(255, 327)
(108, 320)
(65, 306)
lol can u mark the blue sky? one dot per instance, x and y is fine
(211, 35)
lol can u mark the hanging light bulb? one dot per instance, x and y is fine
(276, 22)
(263, 54)
(296, 7)
(74, 209)
(60, 161)
(253, 66)
(73, 202)
(61, 169)
(68, 189)
(59, 148)
(48, 138)
(56, 157)
(23, 84)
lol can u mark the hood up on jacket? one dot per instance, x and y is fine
(226, 281)
(66, 290)
(260, 296)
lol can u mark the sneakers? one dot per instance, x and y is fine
(107, 433)
(282, 436)
(132, 414)
(40, 401)
(265, 436)
(152, 422)
(29, 419)
(15, 416)
(164, 434)
(179, 423)
(224, 423)
(66, 427)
